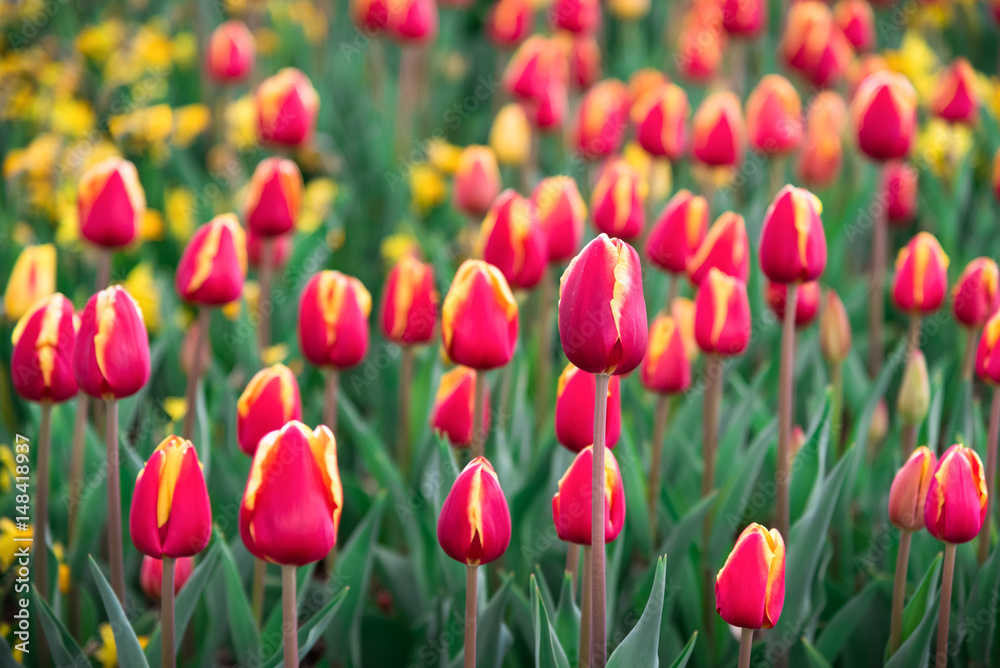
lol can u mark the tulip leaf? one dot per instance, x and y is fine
(242, 627)
(311, 631)
(62, 646)
(634, 478)
(838, 631)
(682, 659)
(567, 622)
(983, 597)
(808, 468)
(914, 611)
(816, 659)
(549, 653)
(915, 649)
(688, 529)
(639, 648)
(129, 650)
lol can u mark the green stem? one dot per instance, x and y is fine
(478, 404)
(991, 474)
(42, 502)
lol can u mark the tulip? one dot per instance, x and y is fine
(513, 241)
(988, 370)
(509, 22)
(643, 80)
(584, 61)
(921, 279)
(879, 427)
(701, 42)
(834, 329)
(214, 263)
(333, 320)
(536, 64)
(110, 203)
(722, 315)
(821, 159)
(794, 216)
(561, 213)
(603, 119)
(745, 18)
(899, 183)
(274, 197)
(955, 98)
(32, 278)
(231, 52)
(660, 117)
(372, 16)
(678, 233)
(547, 110)
(618, 201)
(413, 21)
(451, 414)
(806, 301)
(814, 45)
(827, 112)
(409, 303)
(774, 115)
(477, 180)
(856, 20)
(719, 131)
(287, 107)
(725, 248)
(270, 400)
(975, 297)
(111, 359)
(575, 402)
(914, 395)
(510, 135)
(571, 504)
(576, 16)
(151, 575)
(629, 10)
(864, 66)
(281, 249)
(885, 115)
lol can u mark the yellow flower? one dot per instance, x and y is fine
(184, 49)
(175, 407)
(12, 538)
(443, 156)
(6, 468)
(97, 42)
(73, 118)
(152, 46)
(274, 354)
(37, 159)
(312, 22)
(68, 225)
(241, 123)
(23, 233)
(510, 136)
(917, 61)
(657, 173)
(189, 122)
(151, 228)
(107, 653)
(64, 575)
(251, 293)
(16, 654)
(32, 278)
(335, 238)
(180, 210)
(317, 201)
(396, 246)
(941, 145)
(427, 187)
(150, 125)
(141, 284)
(233, 309)
(266, 40)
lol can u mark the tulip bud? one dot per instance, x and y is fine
(454, 405)
(333, 320)
(413, 21)
(719, 132)
(111, 358)
(878, 429)
(561, 213)
(955, 98)
(547, 110)
(231, 52)
(744, 17)
(821, 159)
(281, 249)
(172, 472)
(722, 315)
(576, 16)
(572, 507)
(509, 22)
(602, 120)
(974, 297)
(957, 503)
(629, 10)
(885, 115)
(827, 112)
(409, 303)
(479, 317)
(510, 136)
(477, 180)
(110, 203)
(679, 232)
(725, 248)
(371, 16)
(795, 442)
(618, 203)
(151, 575)
(750, 587)
(908, 494)
(214, 263)
(575, 401)
(643, 80)
(270, 400)
(814, 45)
(834, 329)
(915, 391)
(666, 369)
(774, 115)
(701, 42)
(474, 524)
(806, 301)
(899, 182)
(287, 106)
(856, 20)
(274, 197)
(988, 353)
(602, 313)
(294, 475)
(41, 364)
(512, 240)
(792, 240)
(32, 278)
(534, 66)
(584, 61)
(921, 279)
(660, 117)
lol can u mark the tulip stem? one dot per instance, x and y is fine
(598, 620)
(197, 369)
(264, 298)
(403, 417)
(257, 592)
(777, 173)
(944, 613)
(672, 289)
(585, 610)
(660, 419)
(114, 503)
(544, 362)
(167, 614)
(899, 592)
(991, 473)
(330, 388)
(103, 269)
(746, 647)
(913, 336)
(876, 293)
(42, 502)
(289, 617)
(786, 389)
(471, 581)
(479, 403)
(907, 439)
(572, 565)
(714, 370)
(837, 423)
(75, 476)
(969, 362)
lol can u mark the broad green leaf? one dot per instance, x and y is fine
(549, 653)
(983, 597)
(809, 466)
(682, 660)
(567, 622)
(915, 610)
(639, 648)
(62, 647)
(839, 629)
(816, 659)
(915, 649)
(129, 650)
(242, 627)
(311, 631)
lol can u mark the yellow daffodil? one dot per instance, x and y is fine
(184, 50)
(274, 354)
(241, 123)
(251, 293)
(941, 145)
(97, 42)
(396, 246)
(73, 118)
(151, 228)
(428, 188)
(180, 213)
(233, 309)
(443, 156)
(189, 122)
(6, 632)
(917, 61)
(11, 539)
(6, 468)
(175, 408)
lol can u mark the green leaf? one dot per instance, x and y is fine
(844, 622)
(639, 648)
(915, 610)
(242, 628)
(634, 475)
(682, 659)
(809, 465)
(312, 630)
(915, 649)
(567, 622)
(688, 529)
(816, 659)
(491, 627)
(983, 598)
(549, 653)
(129, 650)
(64, 650)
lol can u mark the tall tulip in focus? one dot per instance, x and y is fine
(287, 108)
(602, 327)
(988, 370)
(231, 52)
(677, 235)
(110, 206)
(975, 297)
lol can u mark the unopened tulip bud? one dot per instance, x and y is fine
(281, 249)
(170, 514)
(409, 303)
(333, 320)
(678, 232)
(955, 98)
(213, 266)
(454, 405)
(512, 240)
(666, 368)
(644, 80)
(534, 66)
(908, 494)
(547, 110)
(988, 352)
(774, 116)
(795, 442)
(885, 115)
(372, 16)
(293, 500)
(821, 159)
(957, 503)
(701, 42)
(111, 358)
(32, 278)
(572, 508)
(722, 315)
(602, 313)
(725, 248)
(477, 180)
(413, 21)
(562, 214)
(602, 120)
(510, 136)
(828, 112)
(110, 203)
(878, 429)
(576, 16)
(509, 22)
(660, 117)
(899, 182)
(41, 364)
(151, 575)
(584, 61)
(792, 239)
(921, 279)
(575, 402)
(231, 52)
(287, 107)
(719, 131)
(750, 587)
(834, 329)
(274, 197)
(618, 203)
(814, 45)
(857, 21)
(864, 66)
(479, 317)
(975, 297)
(474, 524)
(270, 400)
(806, 301)
(915, 391)
(744, 17)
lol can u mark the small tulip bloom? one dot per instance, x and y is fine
(213, 266)
(806, 301)
(660, 116)
(885, 115)
(956, 498)
(602, 313)
(32, 278)
(722, 315)
(409, 303)
(618, 203)
(512, 240)
(510, 135)
(110, 203)
(151, 575)
(534, 66)
(745, 18)
(792, 239)
(974, 297)
(955, 98)
(372, 16)
(333, 320)
(575, 403)
(231, 52)
(477, 180)
(856, 20)
(988, 352)
(572, 506)
(679, 232)
(270, 400)
(576, 16)
(474, 524)
(547, 110)
(750, 587)
(509, 22)
(629, 10)
(834, 329)
(701, 42)
(479, 317)
(111, 358)
(720, 134)
(287, 107)
(603, 120)
(454, 405)
(814, 45)
(666, 368)
(41, 364)
(899, 183)
(562, 214)
(908, 494)
(293, 499)
(274, 197)
(921, 279)
(774, 116)
(725, 247)
(159, 527)
(413, 21)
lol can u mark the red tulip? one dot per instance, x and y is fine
(509, 22)
(956, 498)
(151, 575)
(701, 42)
(725, 248)
(562, 213)
(974, 297)
(333, 320)
(744, 17)
(270, 400)
(479, 317)
(814, 45)
(603, 119)
(576, 16)
(666, 369)
(547, 110)
(885, 115)
(231, 52)
(513, 241)
(899, 182)
(921, 278)
(575, 403)
(409, 303)
(474, 524)
(572, 508)
(719, 131)
(857, 21)
(111, 358)
(988, 353)
(287, 106)
(372, 16)
(643, 80)
(774, 116)
(908, 495)
(454, 405)
(536, 64)
(110, 203)
(750, 587)
(281, 249)
(806, 301)
(413, 21)
(618, 203)
(41, 364)
(660, 117)
(955, 98)
(679, 232)
(584, 55)
(722, 315)
(477, 180)
(214, 263)
(274, 197)
(792, 240)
